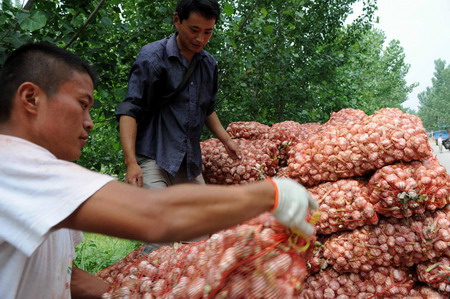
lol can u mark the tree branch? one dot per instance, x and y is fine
(91, 17)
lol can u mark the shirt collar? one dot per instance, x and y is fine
(173, 50)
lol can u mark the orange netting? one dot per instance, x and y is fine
(260, 258)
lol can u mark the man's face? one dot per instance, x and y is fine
(64, 119)
(193, 33)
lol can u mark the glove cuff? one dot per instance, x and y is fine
(277, 200)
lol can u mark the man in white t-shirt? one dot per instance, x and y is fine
(46, 200)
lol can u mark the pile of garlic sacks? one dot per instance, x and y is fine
(383, 229)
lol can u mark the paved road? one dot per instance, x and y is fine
(444, 157)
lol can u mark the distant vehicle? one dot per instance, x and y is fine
(440, 133)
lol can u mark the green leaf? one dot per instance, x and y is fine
(268, 29)
(264, 11)
(228, 9)
(3, 19)
(32, 22)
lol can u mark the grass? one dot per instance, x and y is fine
(97, 251)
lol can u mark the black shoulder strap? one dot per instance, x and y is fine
(167, 98)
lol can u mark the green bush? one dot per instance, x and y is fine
(97, 252)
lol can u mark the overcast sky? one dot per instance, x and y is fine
(423, 29)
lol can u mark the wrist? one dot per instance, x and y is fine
(276, 197)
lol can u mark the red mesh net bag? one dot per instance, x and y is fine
(343, 205)
(404, 189)
(108, 273)
(259, 160)
(346, 116)
(357, 148)
(248, 130)
(436, 273)
(398, 242)
(288, 133)
(381, 282)
(258, 259)
(425, 292)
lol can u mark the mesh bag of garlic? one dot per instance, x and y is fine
(425, 292)
(258, 259)
(259, 160)
(287, 134)
(381, 282)
(248, 130)
(110, 273)
(343, 205)
(436, 273)
(397, 242)
(356, 148)
(403, 189)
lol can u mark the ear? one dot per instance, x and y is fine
(176, 20)
(28, 94)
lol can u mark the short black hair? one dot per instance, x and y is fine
(209, 9)
(44, 64)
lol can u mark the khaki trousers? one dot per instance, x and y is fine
(155, 177)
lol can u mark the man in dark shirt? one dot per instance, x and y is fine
(162, 144)
(162, 147)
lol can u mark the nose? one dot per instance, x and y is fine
(200, 38)
(88, 123)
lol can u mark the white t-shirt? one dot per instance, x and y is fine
(37, 191)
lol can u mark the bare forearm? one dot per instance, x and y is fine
(215, 126)
(86, 286)
(179, 212)
(128, 132)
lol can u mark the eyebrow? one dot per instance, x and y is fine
(89, 97)
(197, 27)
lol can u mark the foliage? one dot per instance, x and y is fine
(434, 102)
(278, 60)
(97, 252)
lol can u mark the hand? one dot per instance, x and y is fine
(134, 175)
(292, 205)
(233, 150)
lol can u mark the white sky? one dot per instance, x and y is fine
(423, 29)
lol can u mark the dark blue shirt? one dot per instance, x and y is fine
(173, 132)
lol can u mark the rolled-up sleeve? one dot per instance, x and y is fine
(140, 97)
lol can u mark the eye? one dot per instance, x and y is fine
(84, 105)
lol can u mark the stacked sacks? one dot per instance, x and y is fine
(403, 189)
(358, 148)
(343, 205)
(393, 242)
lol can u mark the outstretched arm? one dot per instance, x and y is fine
(179, 212)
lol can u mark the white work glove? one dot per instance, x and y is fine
(293, 204)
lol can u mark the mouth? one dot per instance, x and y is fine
(83, 140)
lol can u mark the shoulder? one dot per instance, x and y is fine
(208, 58)
(154, 51)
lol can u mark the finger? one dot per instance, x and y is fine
(305, 227)
(313, 204)
(140, 181)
